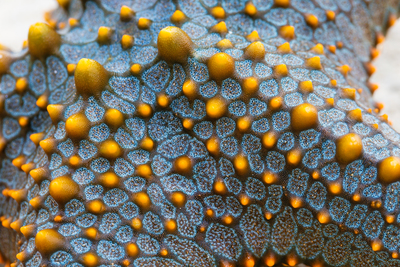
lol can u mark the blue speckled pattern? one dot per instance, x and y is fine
(318, 211)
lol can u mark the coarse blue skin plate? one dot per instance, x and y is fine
(283, 161)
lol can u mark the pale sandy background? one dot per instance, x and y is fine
(17, 15)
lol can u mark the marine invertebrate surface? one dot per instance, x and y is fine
(199, 133)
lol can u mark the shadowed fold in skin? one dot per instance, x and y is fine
(199, 133)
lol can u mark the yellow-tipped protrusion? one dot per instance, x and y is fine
(142, 200)
(132, 250)
(335, 188)
(3, 143)
(276, 103)
(109, 179)
(63, 3)
(224, 44)
(18, 195)
(304, 116)
(144, 23)
(284, 48)
(306, 87)
(110, 149)
(269, 139)
(282, 3)
(163, 100)
(318, 49)
(250, 9)
(221, 66)
(249, 260)
(314, 63)
(281, 70)
(218, 12)
(255, 51)
(219, 187)
(147, 144)
(21, 85)
(178, 17)
(48, 145)
(43, 40)
(287, 32)
(104, 35)
(323, 217)
(55, 112)
(215, 107)
(178, 199)
(23, 121)
(253, 36)
(16, 225)
(5, 222)
(5, 61)
(183, 164)
(63, 189)
(348, 148)
(250, 85)
(389, 170)
(19, 161)
(330, 101)
(269, 177)
(144, 110)
(77, 126)
(163, 252)
(349, 93)
(36, 202)
(220, 28)
(48, 241)
(71, 68)
(227, 219)
(126, 13)
(376, 245)
(210, 213)
(344, 69)
(42, 101)
(28, 167)
(91, 232)
(332, 49)
(144, 170)
(212, 145)
(174, 45)
(189, 88)
(90, 77)
(136, 224)
(127, 41)
(113, 118)
(330, 15)
(293, 157)
(355, 114)
(312, 20)
(95, 206)
(243, 124)
(241, 164)
(73, 22)
(170, 225)
(39, 174)
(136, 69)
(90, 259)
(187, 123)
(28, 230)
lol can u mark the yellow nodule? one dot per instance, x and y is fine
(48, 241)
(215, 107)
(110, 149)
(348, 148)
(174, 45)
(63, 189)
(221, 66)
(304, 116)
(77, 126)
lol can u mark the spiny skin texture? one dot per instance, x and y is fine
(199, 133)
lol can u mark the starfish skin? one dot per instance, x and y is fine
(199, 133)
